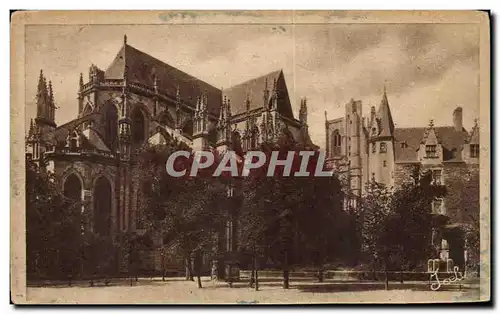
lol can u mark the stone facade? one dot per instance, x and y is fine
(365, 148)
(139, 100)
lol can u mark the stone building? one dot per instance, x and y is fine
(369, 147)
(140, 100)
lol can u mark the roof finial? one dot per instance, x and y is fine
(385, 89)
(475, 122)
(125, 39)
(326, 116)
(431, 123)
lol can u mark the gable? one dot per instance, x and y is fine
(253, 90)
(430, 138)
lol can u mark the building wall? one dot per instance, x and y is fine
(462, 199)
(89, 171)
(403, 173)
(381, 164)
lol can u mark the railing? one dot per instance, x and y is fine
(113, 82)
(80, 151)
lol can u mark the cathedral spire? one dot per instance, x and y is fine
(303, 110)
(45, 105)
(40, 96)
(266, 96)
(31, 132)
(51, 104)
(81, 81)
(274, 96)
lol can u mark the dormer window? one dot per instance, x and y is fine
(474, 150)
(430, 151)
(383, 148)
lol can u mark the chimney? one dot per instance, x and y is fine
(457, 119)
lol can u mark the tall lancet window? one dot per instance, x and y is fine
(138, 127)
(336, 143)
(111, 130)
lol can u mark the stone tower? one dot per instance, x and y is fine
(44, 122)
(45, 106)
(381, 144)
(352, 138)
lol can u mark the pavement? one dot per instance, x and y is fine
(178, 291)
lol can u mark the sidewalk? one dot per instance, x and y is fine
(177, 290)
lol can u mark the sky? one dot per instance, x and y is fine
(428, 69)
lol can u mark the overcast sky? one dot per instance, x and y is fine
(429, 69)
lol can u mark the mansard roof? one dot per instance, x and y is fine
(451, 140)
(143, 68)
(254, 91)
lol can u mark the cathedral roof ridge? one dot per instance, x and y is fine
(144, 68)
(267, 75)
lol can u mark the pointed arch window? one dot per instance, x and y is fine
(73, 141)
(138, 127)
(111, 129)
(474, 150)
(254, 137)
(336, 143)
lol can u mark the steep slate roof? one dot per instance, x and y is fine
(142, 68)
(450, 139)
(254, 90)
(385, 117)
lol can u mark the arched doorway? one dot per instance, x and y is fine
(72, 187)
(102, 206)
(138, 127)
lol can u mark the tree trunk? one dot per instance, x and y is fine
(252, 276)
(320, 273)
(256, 273)
(189, 269)
(199, 280)
(286, 273)
(386, 277)
(197, 269)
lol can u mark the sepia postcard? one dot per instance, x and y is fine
(250, 157)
